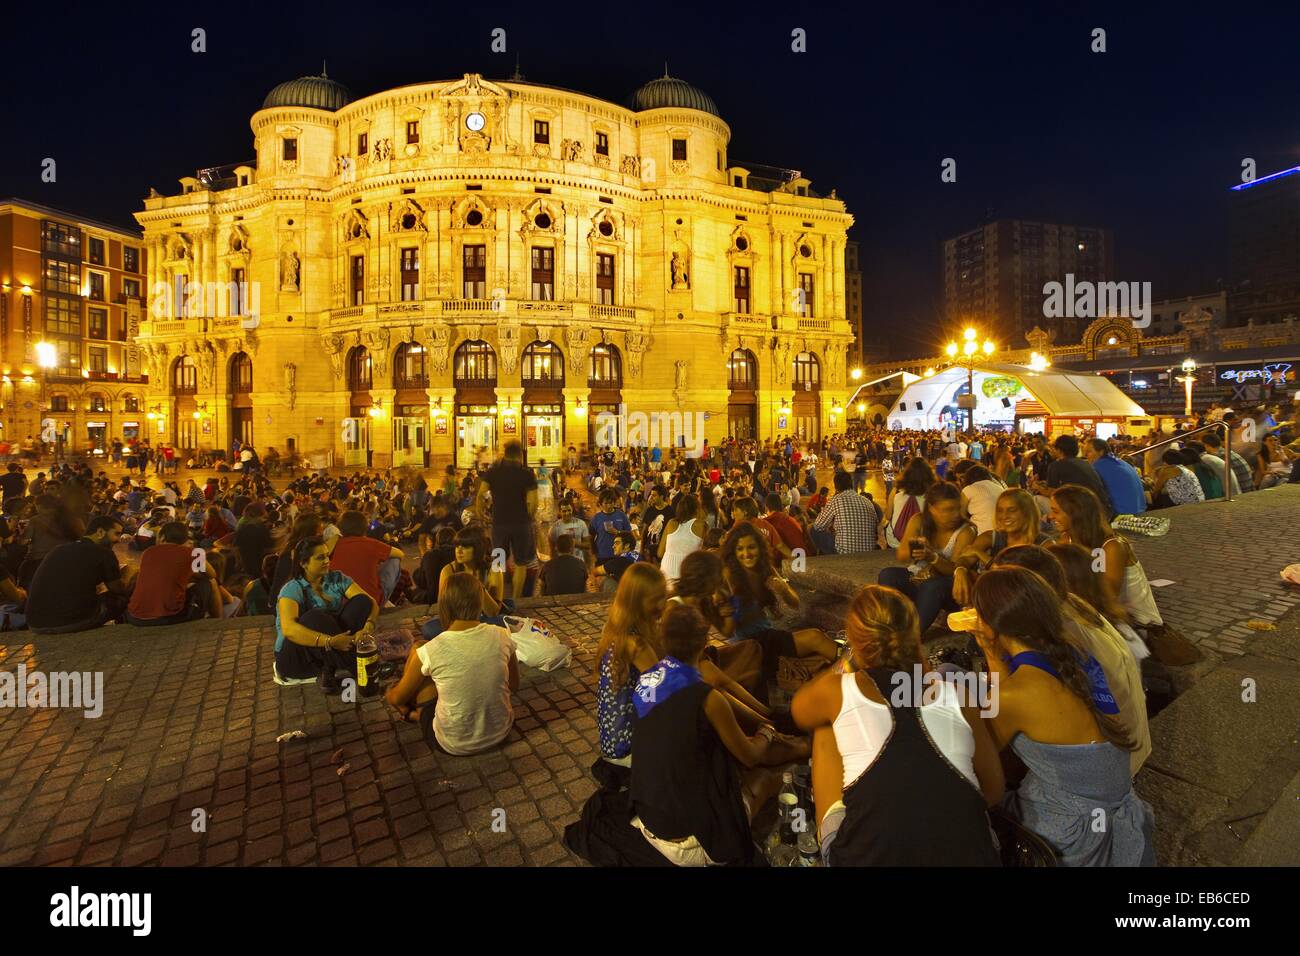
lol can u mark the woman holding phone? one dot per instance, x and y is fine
(933, 539)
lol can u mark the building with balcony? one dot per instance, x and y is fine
(410, 276)
(71, 300)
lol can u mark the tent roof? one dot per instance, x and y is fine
(1064, 394)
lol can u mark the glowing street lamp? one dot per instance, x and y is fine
(969, 348)
(1188, 379)
(47, 355)
(855, 374)
(1038, 362)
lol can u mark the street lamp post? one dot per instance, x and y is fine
(1188, 378)
(968, 349)
(47, 357)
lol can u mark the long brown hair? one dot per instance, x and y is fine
(883, 629)
(1084, 582)
(741, 581)
(1045, 564)
(1087, 523)
(700, 579)
(628, 627)
(1017, 603)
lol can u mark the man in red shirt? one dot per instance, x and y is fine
(168, 589)
(371, 563)
(790, 530)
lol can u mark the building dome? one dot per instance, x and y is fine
(670, 92)
(316, 92)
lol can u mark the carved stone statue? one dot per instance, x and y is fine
(291, 384)
(289, 265)
(631, 165)
(207, 360)
(682, 366)
(638, 343)
(575, 341)
(508, 347)
(376, 343)
(681, 279)
(571, 150)
(334, 345)
(439, 346)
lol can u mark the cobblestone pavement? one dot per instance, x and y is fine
(190, 720)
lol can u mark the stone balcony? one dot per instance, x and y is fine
(491, 310)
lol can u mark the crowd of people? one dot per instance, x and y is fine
(1008, 538)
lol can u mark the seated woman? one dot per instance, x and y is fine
(906, 499)
(629, 644)
(1016, 522)
(470, 671)
(1272, 464)
(472, 556)
(1175, 483)
(1092, 634)
(702, 586)
(687, 791)
(883, 768)
(757, 591)
(1086, 584)
(318, 616)
(1077, 512)
(1059, 717)
(933, 538)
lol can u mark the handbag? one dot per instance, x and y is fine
(1169, 646)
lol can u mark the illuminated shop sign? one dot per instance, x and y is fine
(1277, 372)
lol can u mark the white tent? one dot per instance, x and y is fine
(931, 402)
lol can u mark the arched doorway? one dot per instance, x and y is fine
(474, 373)
(742, 404)
(239, 390)
(604, 403)
(807, 380)
(185, 385)
(410, 406)
(542, 375)
(97, 424)
(356, 427)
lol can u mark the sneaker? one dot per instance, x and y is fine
(288, 681)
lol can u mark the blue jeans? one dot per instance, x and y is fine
(930, 596)
(824, 541)
(389, 572)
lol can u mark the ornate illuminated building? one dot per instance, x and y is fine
(449, 265)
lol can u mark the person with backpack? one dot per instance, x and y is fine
(906, 500)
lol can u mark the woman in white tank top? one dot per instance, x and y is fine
(682, 536)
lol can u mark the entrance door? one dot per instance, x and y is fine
(356, 442)
(410, 441)
(805, 421)
(241, 426)
(543, 439)
(472, 433)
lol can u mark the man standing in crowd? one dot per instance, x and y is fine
(64, 596)
(1122, 481)
(513, 488)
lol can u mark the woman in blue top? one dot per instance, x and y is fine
(318, 617)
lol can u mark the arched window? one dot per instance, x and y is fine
(130, 403)
(185, 376)
(476, 364)
(742, 370)
(807, 371)
(409, 370)
(240, 381)
(96, 402)
(359, 369)
(606, 369)
(543, 364)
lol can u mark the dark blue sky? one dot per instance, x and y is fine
(1145, 139)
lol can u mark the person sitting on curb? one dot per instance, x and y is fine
(168, 589)
(64, 597)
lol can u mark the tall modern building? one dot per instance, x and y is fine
(1264, 244)
(71, 303)
(863, 348)
(994, 275)
(416, 274)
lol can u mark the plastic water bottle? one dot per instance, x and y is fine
(785, 850)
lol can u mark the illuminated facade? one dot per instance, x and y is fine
(406, 277)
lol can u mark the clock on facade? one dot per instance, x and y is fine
(474, 121)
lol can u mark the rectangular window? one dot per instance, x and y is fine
(475, 261)
(543, 273)
(806, 294)
(62, 277)
(413, 131)
(131, 288)
(130, 259)
(98, 363)
(605, 279)
(602, 144)
(59, 403)
(238, 294)
(541, 131)
(63, 329)
(95, 251)
(742, 290)
(363, 141)
(59, 239)
(358, 280)
(410, 274)
(98, 324)
(290, 152)
(97, 286)
(679, 150)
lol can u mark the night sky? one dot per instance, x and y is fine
(1145, 139)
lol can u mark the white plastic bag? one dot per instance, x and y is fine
(535, 645)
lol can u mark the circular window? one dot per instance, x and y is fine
(605, 229)
(408, 221)
(288, 222)
(474, 218)
(742, 243)
(679, 222)
(542, 221)
(805, 251)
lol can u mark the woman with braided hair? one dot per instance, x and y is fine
(903, 769)
(1057, 713)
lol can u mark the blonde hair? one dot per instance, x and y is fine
(883, 628)
(628, 627)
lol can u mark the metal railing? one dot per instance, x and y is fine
(1227, 451)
